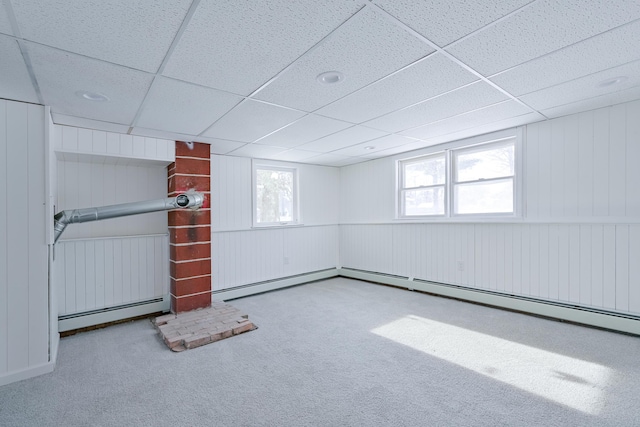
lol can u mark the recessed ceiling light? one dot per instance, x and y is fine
(330, 77)
(613, 81)
(92, 96)
(369, 147)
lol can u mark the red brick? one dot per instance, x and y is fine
(188, 252)
(171, 169)
(183, 270)
(191, 234)
(184, 183)
(194, 149)
(189, 303)
(193, 167)
(181, 217)
(242, 328)
(196, 285)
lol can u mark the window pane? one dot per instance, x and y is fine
(425, 172)
(484, 197)
(490, 163)
(274, 196)
(427, 201)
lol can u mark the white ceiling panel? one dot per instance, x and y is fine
(345, 138)
(177, 106)
(60, 75)
(333, 160)
(15, 82)
(62, 119)
(5, 24)
(218, 146)
(540, 29)
(221, 146)
(238, 45)
(414, 145)
(444, 21)
(476, 95)
(472, 119)
(607, 50)
(376, 145)
(252, 120)
(258, 151)
(423, 80)
(296, 155)
(365, 49)
(108, 30)
(585, 87)
(593, 103)
(307, 129)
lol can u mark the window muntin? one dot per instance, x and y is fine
(275, 195)
(474, 180)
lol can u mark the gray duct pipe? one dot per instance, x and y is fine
(62, 219)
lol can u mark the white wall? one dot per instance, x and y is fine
(24, 299)
(244, 255)
(577, 242)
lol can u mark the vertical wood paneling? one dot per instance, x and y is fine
(546, 180)
(570, 181)
(554, 262)
(556, 201)
(585, 164)
(601, 162)
(100, 273)
(633, 154)
(533, 170)
(609, 267)
(617, 161)
(586, 263)
(634, 268)
(596, 275)
(622, 267)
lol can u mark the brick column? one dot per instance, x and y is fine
(190, 230)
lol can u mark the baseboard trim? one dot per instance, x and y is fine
(92, 319)
(611, 321)
(258, 288)
(30, 372)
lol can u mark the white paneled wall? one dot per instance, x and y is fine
(24, 288)
(590, 265)
(244, 255)
(99, 273)
(252, 256)
(578, 242)
(83, 185)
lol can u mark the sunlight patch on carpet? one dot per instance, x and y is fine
(566, 380)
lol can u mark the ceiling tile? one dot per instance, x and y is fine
(474, 96)
(252, 120)
(414, 145)
(257, 151)
(295, 155)
(542, 28)
(468, 120)
(307, 129)
(79, 122)
(423, 80)
(598, 53)
(221, 146)
(184, 107)
(376, 145)
(111, 31)
(444, 21)
(60, 75)
(345, 138)
(584, 87)
(365, 49)
(605, 100)
(5, 24)
(238, 45)
(333, 160)
(15, 82)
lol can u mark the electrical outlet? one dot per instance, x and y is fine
(460, 265)
(286, 260)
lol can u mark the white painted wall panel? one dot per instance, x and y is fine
(82, 185)
(98, 273)
(577, 242)
(24, 289)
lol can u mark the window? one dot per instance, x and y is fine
(464, 180)
(275, 195)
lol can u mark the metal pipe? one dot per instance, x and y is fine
(191, 200)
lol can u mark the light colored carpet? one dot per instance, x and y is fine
(343, 353)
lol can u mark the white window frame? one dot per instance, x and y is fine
(254, 194)
(402, 189)
(474, 143)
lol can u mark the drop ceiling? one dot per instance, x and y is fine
(241, 75)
